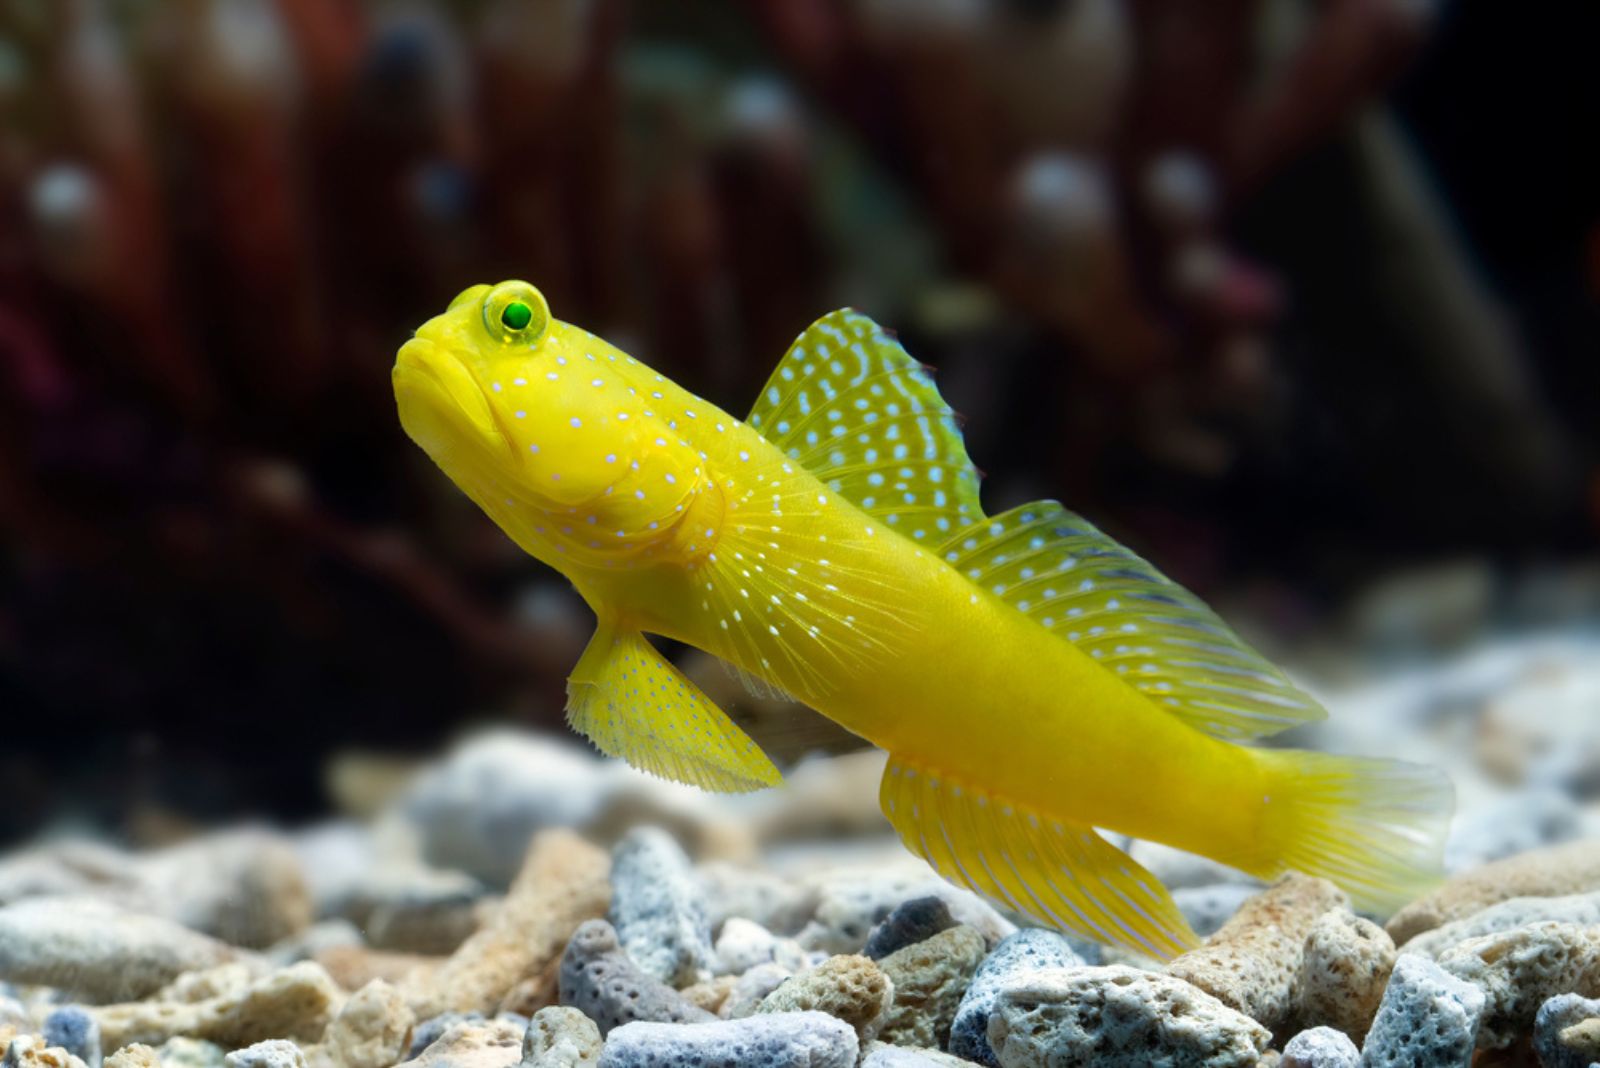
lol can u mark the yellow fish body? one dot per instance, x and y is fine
(1031, 679)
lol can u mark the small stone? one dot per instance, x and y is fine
(1582, 909)
(1207, 908)
(561, 1037)
(1519, 970)
(1427, 1016)
(751, 988)
(1251, 963)
(182, 1052)
(221, 981)
(911, 922)
(74, 1030)
(429, 1031)
(656, 909)
(562, 883)
(245, 887)
(1526, 820)
(1320, 1047)
(296, 1002)
(849, 988)
(30, 1051)
(373, 1030)
(13, 1013)
(134, 1055)
(1118, 1017)
(929, 979)
(94, 951)
(1030, 949)
(851, 903)
(602, 982)
(742, 944)
(1566, 1033)
(1343, 972)
(473, 1044)
(882, 1055)
(1555, 871)
(731, 892)
(273, 1053)
(711, 994)
(353, 967)
(778, 1040)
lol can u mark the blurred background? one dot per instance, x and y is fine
(1301, 298)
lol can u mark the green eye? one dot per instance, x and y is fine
(516, 315)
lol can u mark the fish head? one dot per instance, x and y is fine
(551, 430)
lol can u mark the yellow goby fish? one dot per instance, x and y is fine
(1031, 679)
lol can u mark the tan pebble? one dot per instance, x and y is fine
(29, 1051)
(373, 1030)
(1343, 973)
(1520, 969)
(711, 993)
(561, 1037)
(929, 978)
(135, 1055)
(850, 987)
(473, 1044)
(1251, 963)
(296, 1003)
(563, 882)
(353, 967)
(882, 1055)
(533, 993)
(208, 983)
(1571, 868)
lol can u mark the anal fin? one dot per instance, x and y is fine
(633, 704)
(1060, 874)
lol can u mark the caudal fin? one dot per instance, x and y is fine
(1375, 827)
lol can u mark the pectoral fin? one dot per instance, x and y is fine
(631, 703)
(1060, 874)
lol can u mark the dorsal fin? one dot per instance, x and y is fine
(1162, 639)
(848, 403)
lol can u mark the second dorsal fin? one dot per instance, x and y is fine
(850, 404)
(1160, 638)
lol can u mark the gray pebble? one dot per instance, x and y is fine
(911, 922)
(76, 1031)
(182, 1052)
(561, 1037)
(752, 988)
(1553, 1040)
(775, 1040)
(603, 982)
(1029, 949)
(1320, 1047)
(429, 1030)
(273, 1053)
(1207, 908)
(656, 908)
(1427, 1016)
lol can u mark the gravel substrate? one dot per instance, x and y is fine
(642, 924)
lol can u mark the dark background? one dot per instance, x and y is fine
(1290, 296)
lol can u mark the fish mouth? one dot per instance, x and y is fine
(440, 400)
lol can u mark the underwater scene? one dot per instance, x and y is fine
(799, 534)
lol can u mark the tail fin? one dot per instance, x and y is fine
(1375, 827)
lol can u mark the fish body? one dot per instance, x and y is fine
(1032, 680)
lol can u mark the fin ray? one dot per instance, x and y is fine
(631, 703)
(1059, 874)
(1162, 640)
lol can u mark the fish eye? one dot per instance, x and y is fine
(516, 313)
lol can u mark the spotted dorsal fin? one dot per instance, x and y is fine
(851, 405)
(1160, 638)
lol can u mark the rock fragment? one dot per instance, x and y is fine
(850, 903)
(750, 989)
(847, 987)
(561, 1037)
(1555, 871)
(1320, 1047)
(929, 979)
(73, 1029)
(562, 883)
(1030, 949)
(602, 982)
(1427, 1016)
(1251, 963)
(1566, 1033)
(1343, 972)
(373, 1030)
(273, 1053)
(97, 952)
(911, 922)
(656, 908)
(778, 1040)
(473, 1044)
(882, 1055)
(1519, 970)
(296, 1002)
(134, 1055)
(1583, 909)
(30, 1051)
(1118, 1017)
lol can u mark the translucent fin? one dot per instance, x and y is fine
(849, 404)
(1059, 874)
(1160, 638)
(632, 704)
(755, 685)
(1375, 827)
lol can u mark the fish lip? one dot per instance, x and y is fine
(419, 358)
